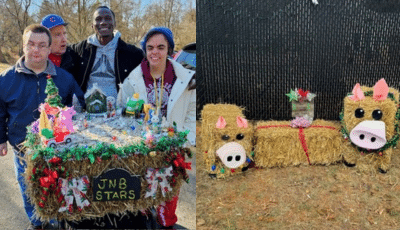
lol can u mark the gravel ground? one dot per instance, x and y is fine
(12, 213)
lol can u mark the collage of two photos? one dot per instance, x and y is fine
(97, 114)
(290, 120)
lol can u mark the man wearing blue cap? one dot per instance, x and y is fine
(61, 55)
(105, 59)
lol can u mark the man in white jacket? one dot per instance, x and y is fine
(166, 85)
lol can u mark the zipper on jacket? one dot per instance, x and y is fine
(117, 68)
(87, 66)
(38, 84)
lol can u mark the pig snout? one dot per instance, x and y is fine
(369, 135)
(232, 155)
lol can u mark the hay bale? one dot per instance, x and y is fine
(135, 164)
(209, 116)
(371, 160)
(279, 145)
(213, 141)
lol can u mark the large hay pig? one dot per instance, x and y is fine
(370, 124)
(227, 138)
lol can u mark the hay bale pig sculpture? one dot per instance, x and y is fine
(229, 142)
(370, 126)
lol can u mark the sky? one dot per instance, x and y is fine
(36, 4)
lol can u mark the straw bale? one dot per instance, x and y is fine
(135, 164)
(211, 137)
(373, 160)
(209, 116)
(281, 146)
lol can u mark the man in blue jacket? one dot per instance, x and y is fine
(22, 90)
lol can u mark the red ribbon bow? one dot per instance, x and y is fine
(180, 162)
(303, 93)
(50, 178)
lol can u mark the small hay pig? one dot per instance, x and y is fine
(229, 140)
(370, 124)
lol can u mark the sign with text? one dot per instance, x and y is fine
(116, 184)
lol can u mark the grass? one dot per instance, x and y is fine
(305, 197)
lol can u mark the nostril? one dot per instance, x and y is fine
(237, 158)
(362, 137)
(230, 158)
(373, 139)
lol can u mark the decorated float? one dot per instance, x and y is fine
(81, 165)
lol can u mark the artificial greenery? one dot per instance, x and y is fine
(102, 150)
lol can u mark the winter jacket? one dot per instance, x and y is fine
(181, 103)
(68, 60)
(22, 91)
(127, 57)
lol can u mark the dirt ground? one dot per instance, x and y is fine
(12, 213)
(305, 197)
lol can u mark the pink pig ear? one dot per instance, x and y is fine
(358, 94)
(381, 90)
(221, 123)
(241, 122)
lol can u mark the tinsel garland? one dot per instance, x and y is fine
(392, 143)
(102, 150)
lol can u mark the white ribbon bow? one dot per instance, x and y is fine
(155, 177)
(77, 188)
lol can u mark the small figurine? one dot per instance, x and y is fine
(146, 110)
(155, 123)
(134, 105)
(164, 124)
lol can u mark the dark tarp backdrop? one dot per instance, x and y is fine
(251, 53)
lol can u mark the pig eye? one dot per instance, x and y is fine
(377, 114)
(239, 136)
(359, 113)
(225, 137)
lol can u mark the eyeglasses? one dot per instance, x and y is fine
(40, 46)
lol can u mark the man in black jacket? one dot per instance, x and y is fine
(104, 58)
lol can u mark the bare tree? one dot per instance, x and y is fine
(133, 19)
(17, 10)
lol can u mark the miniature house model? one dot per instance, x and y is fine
(96, 100)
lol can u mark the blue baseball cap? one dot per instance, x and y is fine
(52, 20)
(163, 30)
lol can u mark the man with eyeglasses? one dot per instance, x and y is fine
(22, 90)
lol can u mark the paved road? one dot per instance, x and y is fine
(13, 217)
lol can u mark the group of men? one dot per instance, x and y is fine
(103, 59)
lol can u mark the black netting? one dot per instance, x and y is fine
(251, 53)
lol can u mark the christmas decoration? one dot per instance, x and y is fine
(302, 104)
(53, 99)
(96, 101)
(134, 105)
(370, 126)
(229, 139)
(158, 178)
(74, 188)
